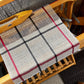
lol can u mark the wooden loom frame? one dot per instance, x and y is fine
(68, 62)
(4, 2)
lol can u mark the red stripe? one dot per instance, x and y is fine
(26, 72)
(58, 54)
(11, 59)
(45, 62)
(59, 29)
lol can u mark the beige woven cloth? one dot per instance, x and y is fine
(37, 43)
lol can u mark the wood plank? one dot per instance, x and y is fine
(72, 57)
(1, 60)
(55, 67)
(4, 2)
(66, 62)
(44, 73)
(54, 73)
(39, 76)
(49, 69)
(27, 81)
(70, 9)
(64, 5)
(81, 40)
(70, 61)
(33, 79)
(6, 80)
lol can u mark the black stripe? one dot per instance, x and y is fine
(30, 39)
(44, 39)
(28, 49)
(51, 28)
(12, 48)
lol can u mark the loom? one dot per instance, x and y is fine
(10, 22)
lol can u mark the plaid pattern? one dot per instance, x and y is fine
(37, 43)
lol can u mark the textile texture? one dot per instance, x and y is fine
(37, 43)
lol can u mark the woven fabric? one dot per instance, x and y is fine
(37, 43)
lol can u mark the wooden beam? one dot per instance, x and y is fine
(70, 9)
(81, 40)
(1, 60)
(59, 2)
(6, 80)
(53, 74)
(4, 2)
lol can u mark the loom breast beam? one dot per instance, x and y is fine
(14, 20)
(4, 2)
